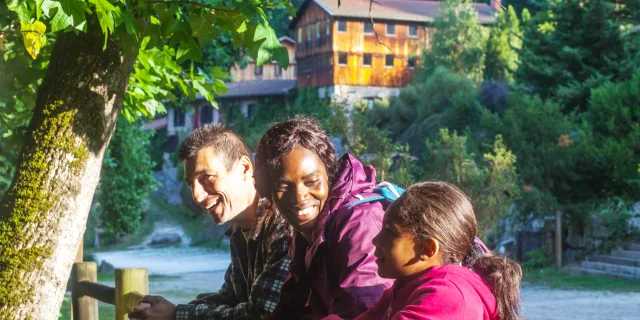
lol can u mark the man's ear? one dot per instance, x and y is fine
(245, 167)
(430, 249)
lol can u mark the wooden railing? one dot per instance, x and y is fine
(131, 286)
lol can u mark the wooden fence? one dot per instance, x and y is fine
(131, 286)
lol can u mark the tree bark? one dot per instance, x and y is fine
(44, 213)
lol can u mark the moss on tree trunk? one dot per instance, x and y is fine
(43, 215)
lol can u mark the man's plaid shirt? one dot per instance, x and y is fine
(257, 271)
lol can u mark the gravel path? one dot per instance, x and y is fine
(540, 303)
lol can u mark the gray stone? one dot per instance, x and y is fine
(106, 268)
(166, 239)
(574, 240)
(635, 208)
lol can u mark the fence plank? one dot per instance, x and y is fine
(84, 307)
(131, 285)
(97, 291)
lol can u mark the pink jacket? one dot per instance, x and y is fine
(337, 273)
(444, 292)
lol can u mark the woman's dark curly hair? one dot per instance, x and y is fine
(280, 139)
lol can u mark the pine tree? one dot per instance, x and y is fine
(570, 47)
(459, 44)
(504, 42)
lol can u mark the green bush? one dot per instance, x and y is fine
(126, 180)
(492, 182)
(609, 228)
(538, 259)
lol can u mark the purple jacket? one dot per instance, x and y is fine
(337, 273)
(443, 292)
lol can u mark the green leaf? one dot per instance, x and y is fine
(68, 13)
(22, 8)
(270, 48)
(105, 11)
(292, 10)
(202, 27)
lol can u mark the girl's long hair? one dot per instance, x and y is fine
(442, 211)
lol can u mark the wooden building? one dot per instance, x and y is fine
(349, 53)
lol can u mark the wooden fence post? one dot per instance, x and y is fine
(83, 307)
(131, 285)
(558, 240)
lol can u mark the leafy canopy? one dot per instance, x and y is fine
(165, 36)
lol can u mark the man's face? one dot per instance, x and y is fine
(224, 194)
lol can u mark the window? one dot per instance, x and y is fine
(388, 61)
(318, 34)
(229, 114)
(366, 60)
(413, 31)
(257, 70)
(368, 27)
(251, 110)
(391, 29)
(342, 58)
(299, 35)
(278, 70)
(308, 36)
(412, 62)
(328, 26)
(178, 118)
(206, 114)
(342, 26)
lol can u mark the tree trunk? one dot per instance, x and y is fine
(43, 215)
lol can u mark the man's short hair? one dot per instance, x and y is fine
(225, 143)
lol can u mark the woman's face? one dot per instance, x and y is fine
(300, 188)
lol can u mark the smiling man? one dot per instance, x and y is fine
(219, 171)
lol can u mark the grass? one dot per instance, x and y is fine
(193, 227)
(112, 278)
(146, 228)
(104, 311)
(549, 277)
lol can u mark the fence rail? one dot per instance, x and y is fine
(131, 286)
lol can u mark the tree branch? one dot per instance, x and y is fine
(376, 32)
(187, 2)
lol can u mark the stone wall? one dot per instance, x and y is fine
(168, 185)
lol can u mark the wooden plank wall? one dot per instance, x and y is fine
(318, 59)
(314, 57)
(356, 44)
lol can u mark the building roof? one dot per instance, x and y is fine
(398, 10)
(258, 88)
(285, 38)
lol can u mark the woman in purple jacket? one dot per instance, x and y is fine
(333, 268)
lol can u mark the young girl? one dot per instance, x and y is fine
(427, 245)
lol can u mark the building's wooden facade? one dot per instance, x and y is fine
(338, 45)
(321, 48)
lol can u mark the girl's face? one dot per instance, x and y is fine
(399, 255)
(301, 188)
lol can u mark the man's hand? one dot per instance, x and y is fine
(153, 308)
